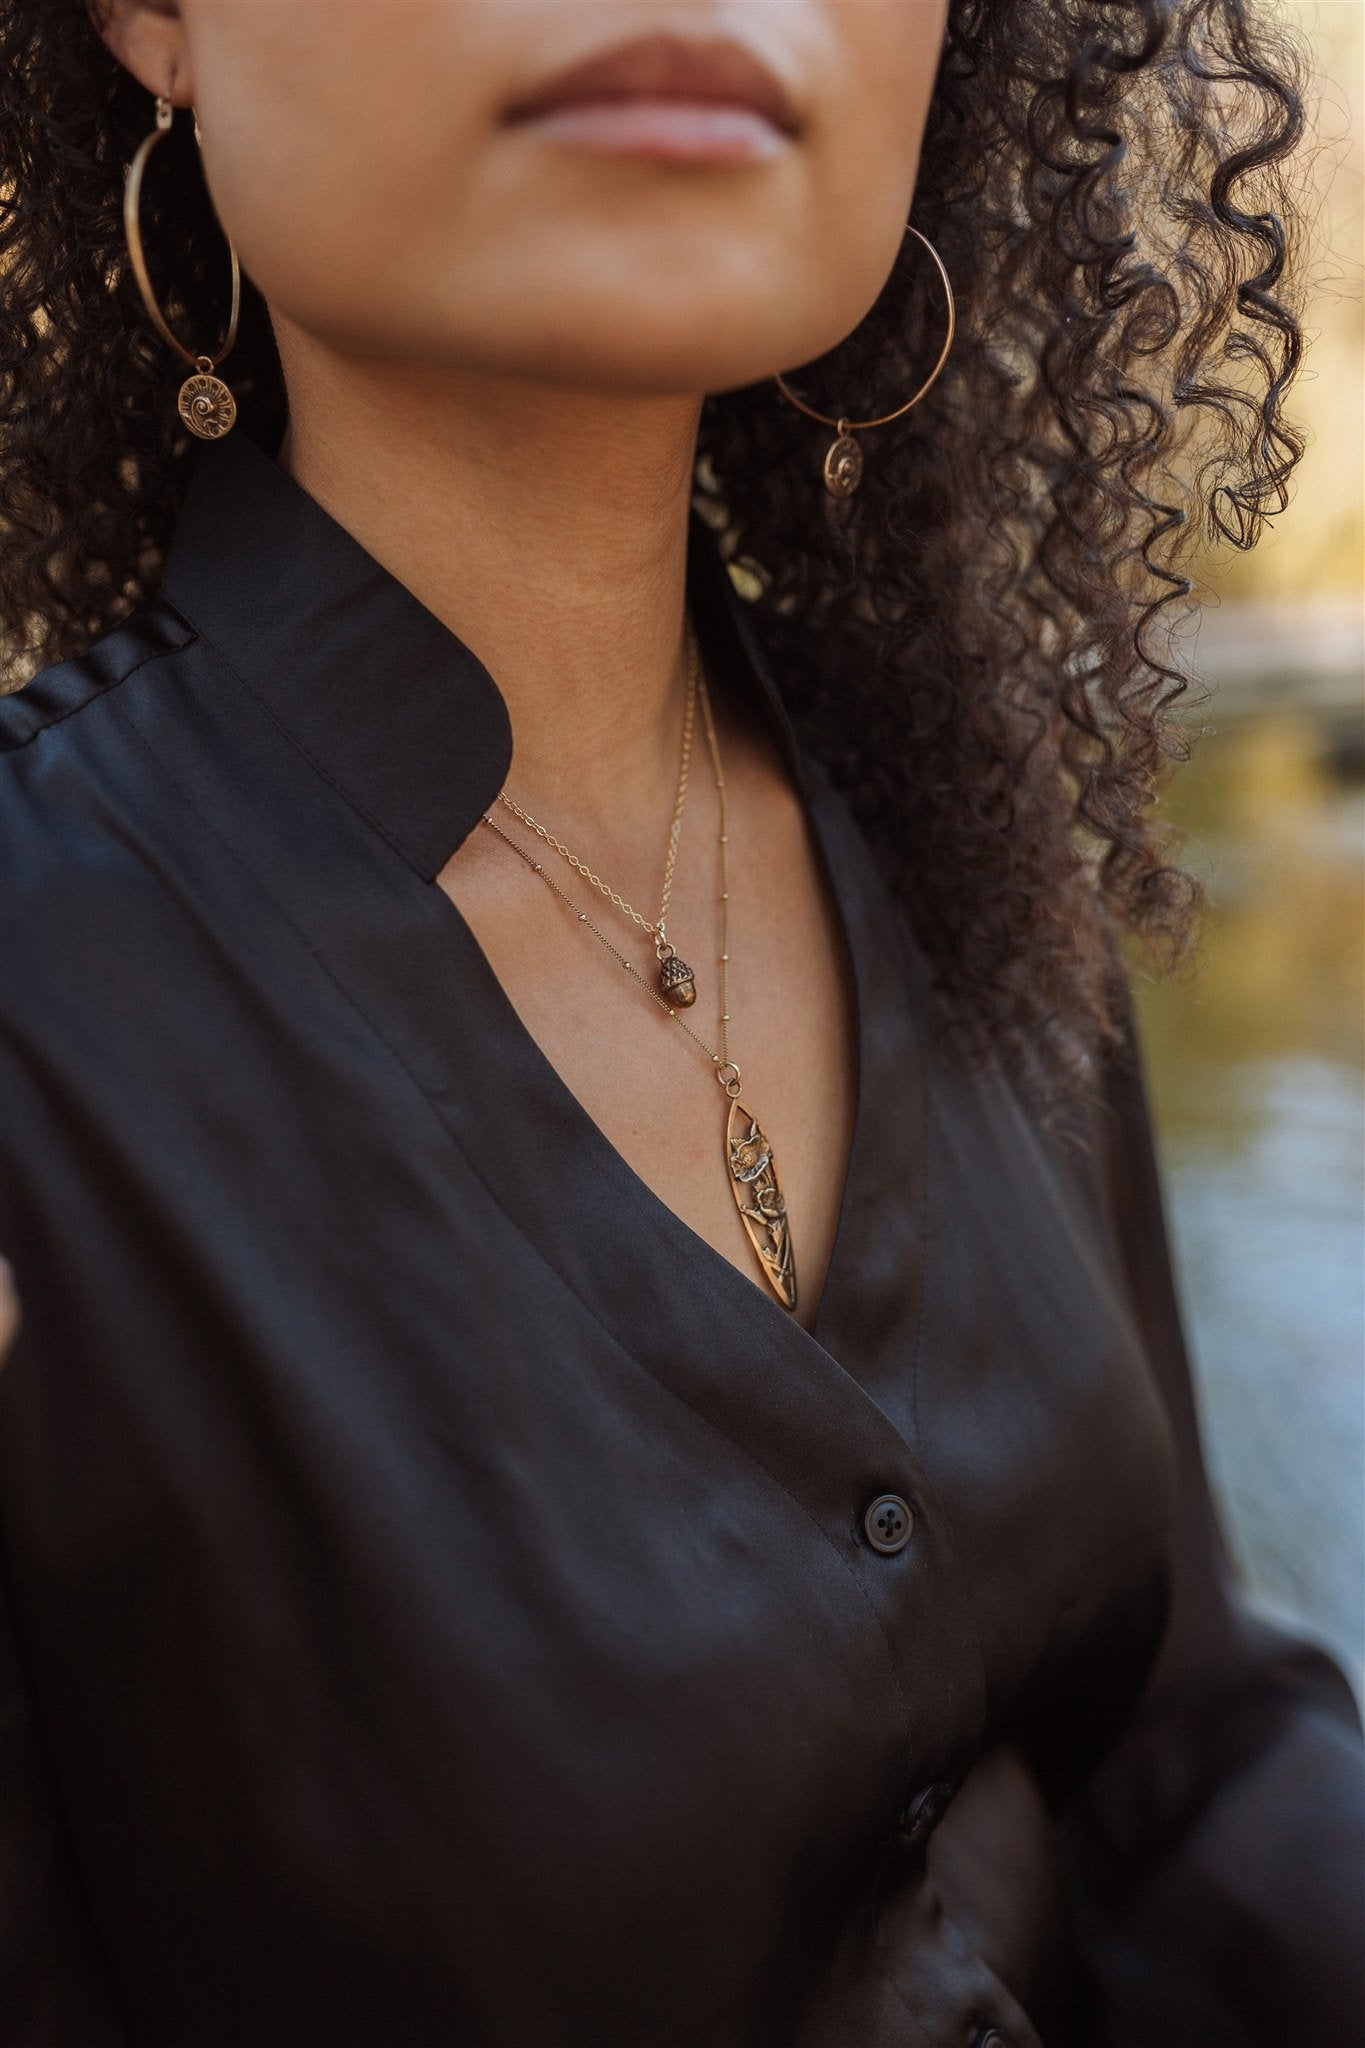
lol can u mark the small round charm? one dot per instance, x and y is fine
(207, 407)
(843, 467)
(675, 979)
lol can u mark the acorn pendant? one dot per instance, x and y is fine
(676, 981)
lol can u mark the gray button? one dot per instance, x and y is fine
(887, 1522)
(990, 2037)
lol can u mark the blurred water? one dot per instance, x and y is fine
(1270, 1250)
(1258, 1079)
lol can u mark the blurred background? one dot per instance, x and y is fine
(1257, 1059)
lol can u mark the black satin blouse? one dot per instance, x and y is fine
(449, 1601)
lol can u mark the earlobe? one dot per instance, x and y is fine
(148, 38)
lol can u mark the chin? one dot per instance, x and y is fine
(651, 345)
(677, 366)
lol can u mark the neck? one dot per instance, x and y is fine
(547, 528)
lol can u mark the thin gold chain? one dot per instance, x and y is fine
(725, 1060)
(727, 1073)
(658, 928)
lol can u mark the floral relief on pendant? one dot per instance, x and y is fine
(758, 1197)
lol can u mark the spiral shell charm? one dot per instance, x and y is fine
(843, 467)
(207, 407)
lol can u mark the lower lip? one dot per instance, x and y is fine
(669, 131)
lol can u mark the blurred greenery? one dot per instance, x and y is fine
(1271, 808)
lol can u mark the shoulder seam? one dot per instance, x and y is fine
(105, 685)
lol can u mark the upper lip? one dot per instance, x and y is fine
(664, 66)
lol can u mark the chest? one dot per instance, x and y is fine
(774, 994)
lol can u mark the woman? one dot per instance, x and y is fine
(507, 1539)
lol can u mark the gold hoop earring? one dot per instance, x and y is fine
(205, 404)
(844, 458)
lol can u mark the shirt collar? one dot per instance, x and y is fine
(388, 703)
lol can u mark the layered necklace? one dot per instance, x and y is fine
(750, 1166)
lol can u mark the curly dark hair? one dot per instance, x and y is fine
(970, 642)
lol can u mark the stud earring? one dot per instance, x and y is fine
(843, 467)
(205, 404)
